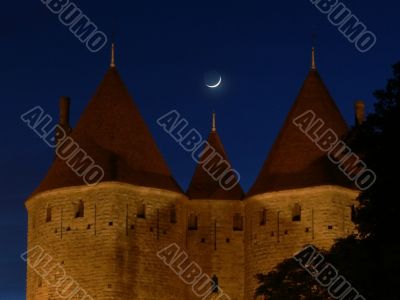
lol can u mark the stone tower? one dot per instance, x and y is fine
(299, 197)
(105, 237)
(216, 229)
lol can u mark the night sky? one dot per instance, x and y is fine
(262, 49)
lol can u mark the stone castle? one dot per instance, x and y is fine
(107, 236)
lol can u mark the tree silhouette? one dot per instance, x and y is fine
(369, 260)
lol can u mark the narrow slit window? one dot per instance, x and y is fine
(172, 214)
(80, 211)
(48, 214)
(353, 213)
(296, 213)
(237, 222)
(192, 222)
(263, 217)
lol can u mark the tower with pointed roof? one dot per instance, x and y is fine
(215, 224)
(105, 237)
(299, 196)
(100, 241)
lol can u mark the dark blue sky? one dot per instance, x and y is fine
(164, 48)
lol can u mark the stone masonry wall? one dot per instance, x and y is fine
(215, 246)
(110, 251)
(325, 216)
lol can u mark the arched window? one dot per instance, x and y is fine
(215, 285)
(48, 214)
(296, 213)
(80, 211)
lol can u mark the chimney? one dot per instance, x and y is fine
(64, 111)
(64, 115)
(359, 107)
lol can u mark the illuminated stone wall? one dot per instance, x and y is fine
(325, 216)
(216, 246)
(111, 251)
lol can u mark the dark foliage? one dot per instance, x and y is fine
(369, 261)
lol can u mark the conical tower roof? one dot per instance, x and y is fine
(294, 160)
(203, 186)
(112, 131)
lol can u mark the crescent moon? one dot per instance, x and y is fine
(215, 85)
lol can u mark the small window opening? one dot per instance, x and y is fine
(141, 212)
(173, 214)
(263, 217)
(215, 284)
(192, 222)
(296, 213)
(237, 222)
(48, 214)
(80, 211)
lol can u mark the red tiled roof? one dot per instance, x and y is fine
(112, 131)
(294, 160)
(203, 186)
